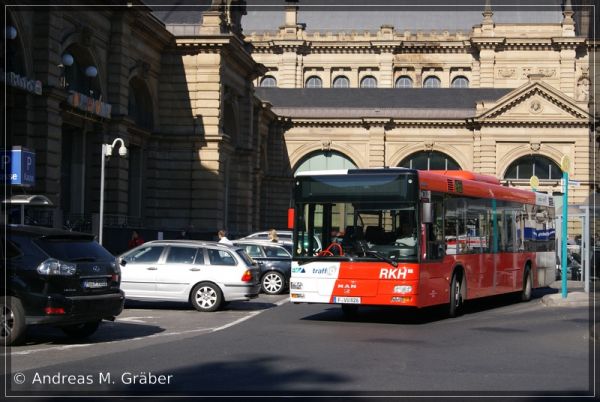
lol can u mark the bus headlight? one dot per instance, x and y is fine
(402, 289)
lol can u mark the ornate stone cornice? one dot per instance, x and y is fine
(491, 43)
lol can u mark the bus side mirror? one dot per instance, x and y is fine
(426, 215)
(290, 218)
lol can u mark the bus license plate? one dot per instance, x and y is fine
(95, 283)
(347, 300)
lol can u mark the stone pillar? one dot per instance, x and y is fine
(567, 69)
(46, 136)
(476, 148)
(377, 145)
(486, 67)
(386, 71)
(488, 157)
(290, 70)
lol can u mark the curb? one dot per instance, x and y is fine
(573, 299)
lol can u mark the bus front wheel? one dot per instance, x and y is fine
(456, 296)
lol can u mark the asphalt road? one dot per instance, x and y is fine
(269, 347)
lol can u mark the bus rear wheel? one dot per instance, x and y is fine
(456, 296)
(527, 285)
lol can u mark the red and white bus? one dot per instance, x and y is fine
(405, 237)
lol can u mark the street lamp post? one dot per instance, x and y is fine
(107, 152)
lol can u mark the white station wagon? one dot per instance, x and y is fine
(206, 274)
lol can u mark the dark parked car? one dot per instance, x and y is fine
(275, 263)
(56, 277)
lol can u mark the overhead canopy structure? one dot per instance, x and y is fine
(30, 200)
(27, 200)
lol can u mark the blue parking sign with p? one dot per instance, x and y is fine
(18, 167)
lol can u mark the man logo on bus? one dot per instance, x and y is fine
(393, 273)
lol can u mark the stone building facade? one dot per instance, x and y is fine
(183, 105)
(544, 113)
(210, 150)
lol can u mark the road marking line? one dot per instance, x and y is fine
(158, 335)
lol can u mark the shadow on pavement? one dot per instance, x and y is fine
(107, 332)
(414, 316)
(182, 306)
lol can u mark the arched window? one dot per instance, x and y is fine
(533, 165)
(314, 82)
(460, 82)
(79, 76)
(268, 82)
(324, 160)
(368, 82)
(429, 160)
(140, 104)
(404, 82)
(341, 82)
(432, 82)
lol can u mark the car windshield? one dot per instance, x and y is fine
(74, 250)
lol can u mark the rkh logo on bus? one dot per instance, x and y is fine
(394, 273)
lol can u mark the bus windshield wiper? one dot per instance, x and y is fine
(382, 257)
(325, 258)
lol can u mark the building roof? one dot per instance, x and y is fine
(451, 15)
(414, 103)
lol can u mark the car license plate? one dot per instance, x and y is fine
(347, 300)
(95, 283)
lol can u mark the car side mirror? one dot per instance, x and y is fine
(122, 262)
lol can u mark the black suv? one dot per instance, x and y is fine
(56, 277)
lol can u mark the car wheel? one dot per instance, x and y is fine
(273, 283)
(13, 321)
(526, 292)
(206, 297)
(456, 296)
(81, 331)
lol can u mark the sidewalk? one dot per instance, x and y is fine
(576, 297)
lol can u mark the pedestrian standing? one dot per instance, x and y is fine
(273, 236)
(223, 238)
(135, 240)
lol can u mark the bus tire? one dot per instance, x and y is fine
(527, 285)
(350, 310)
(456, 295)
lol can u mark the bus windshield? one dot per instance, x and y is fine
(360, 230)
(357, 216)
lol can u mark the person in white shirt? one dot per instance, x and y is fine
(223, 239)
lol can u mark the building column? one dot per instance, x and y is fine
(377, 145)
(46, 135)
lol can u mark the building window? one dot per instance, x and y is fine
(140, 104)
(314, 82)
(341, 82)
(533, 165)
(324, 160)
(432, 82)
(404, 82)
(368, 82)
(460, 82)
(429, 160)
(268, 82)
